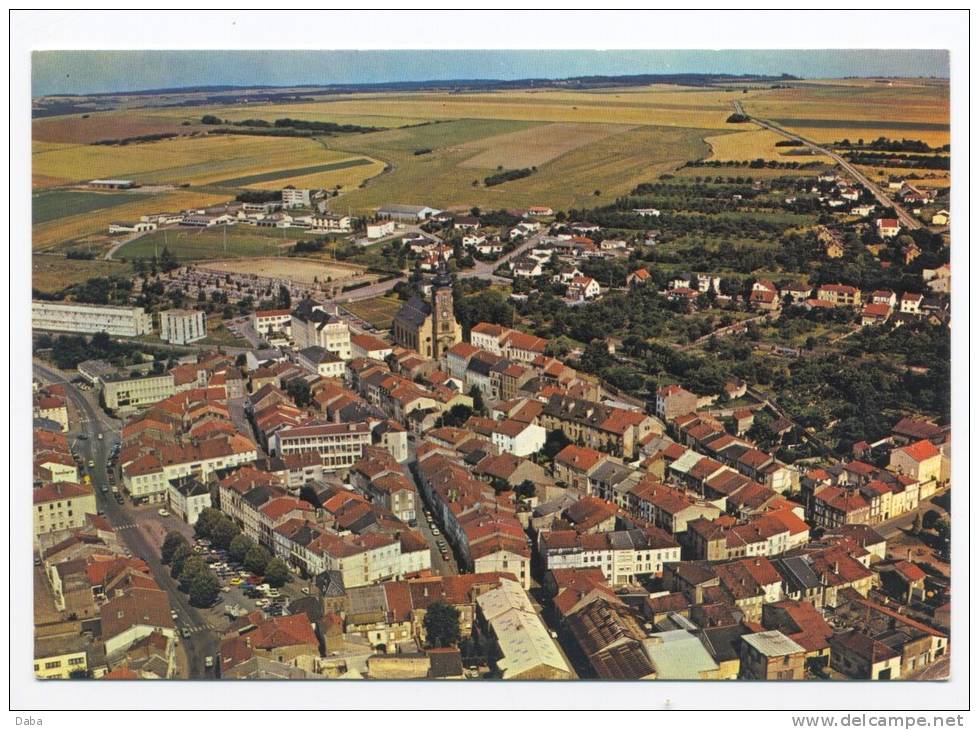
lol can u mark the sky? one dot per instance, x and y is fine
(87, 72)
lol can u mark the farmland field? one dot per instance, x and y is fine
(612, 165)
(537, 145)
(831, 111)
(194, 160)
(48, 206)
(379, 311)
(754, 144)
(53, 273)
(189, 244)
(301, 270)
(295, 172)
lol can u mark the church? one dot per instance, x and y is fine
(429, 327)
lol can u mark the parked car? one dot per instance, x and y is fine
(163, 513)
(208, 661)
(185, 632)
(435, 531)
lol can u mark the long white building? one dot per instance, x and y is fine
(90, 318)
(339, 444)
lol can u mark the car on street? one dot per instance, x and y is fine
(236, 581)
(173, 615)
(435, 532)
(208, 661)
(185, 632)
(162, 512)
(119, 499)
(91, 464)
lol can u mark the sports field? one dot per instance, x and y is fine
(301, 270)
(189, 244)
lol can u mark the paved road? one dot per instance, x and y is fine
(890, 528)
(202, 642)
(906, 218)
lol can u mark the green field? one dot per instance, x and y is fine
(49, 206)
(237, 182)
(613, 166)
(209, 243)
(862, 124)
(379, 311)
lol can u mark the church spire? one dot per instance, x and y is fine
(442, 277)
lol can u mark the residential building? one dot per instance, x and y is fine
(126, 393)
(188, 497)
(313, 326)
(338, 444)
(272, 321)
(62, 506)
(182, 326)
(295, 198)
(771, 655)
(90, 318)
(321, 361)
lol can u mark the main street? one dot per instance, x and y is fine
(94, 422)
(906, 218)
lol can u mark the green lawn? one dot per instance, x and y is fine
(188, 244)
(49, 206)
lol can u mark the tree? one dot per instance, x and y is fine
(239, 547)
(276, 572)
(285, 298)
(257, 559)
(179, 557)
(931, 517)
(916, 525)
(441, 625)
(224, 532)
(457, 415)
(204, 589)
(298, 390)
(478, 405)
(191, 567)
(206, 521)
(555, 442)
(171, 542)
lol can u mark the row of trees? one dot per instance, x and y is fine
(189, 569)
(223, 533)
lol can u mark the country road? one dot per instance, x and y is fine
(906, 218)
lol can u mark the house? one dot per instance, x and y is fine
(673, 401)
(518, 438)
(638, 277)
(859, 656)
(771, 655)
(539, 211)
(527, 268)
(922, 461)
(312, 325)
(911, 302)
(583, 288)
(62, 506)
(839, 295)
(188, 497)
(874, 314)
(888, 227)
(137, 613)
(368, 346)
(321, 361)
(796, 291)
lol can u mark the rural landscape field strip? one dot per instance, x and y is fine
(294, 172)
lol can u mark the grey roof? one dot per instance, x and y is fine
(772, 643)
(316, 354)
(190, 487)
(723, 641)
(330, 583)
(414, 312)
(797, 572)
(678, 655)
